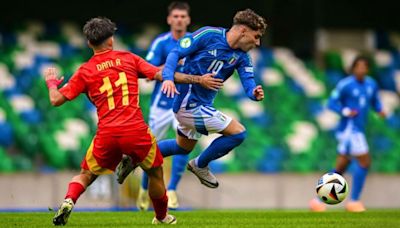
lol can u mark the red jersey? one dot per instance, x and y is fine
(110, 79)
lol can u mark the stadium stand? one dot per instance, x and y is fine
(289, 131)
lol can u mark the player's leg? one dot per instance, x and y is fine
(209, 120)
(232, 136)
(359, 149)
(342, 162)
(92, 166)
(76, 187)
(143, 148)
(158, 196)
(159, 122)
(179, 163)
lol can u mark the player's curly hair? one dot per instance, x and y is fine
(99, 29)
(251, 19)
(178, 5)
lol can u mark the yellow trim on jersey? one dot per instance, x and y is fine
(92, 163)
(148, 161)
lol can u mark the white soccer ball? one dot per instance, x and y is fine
(332, 188)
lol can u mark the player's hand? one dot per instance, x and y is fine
(209, 82)
(168, 87)
(349, 112)
(52, 81)
(258, 93)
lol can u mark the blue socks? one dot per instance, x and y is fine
(359, 176)
(169, 147)
(145, 181)
(219, 147)
(178, 168)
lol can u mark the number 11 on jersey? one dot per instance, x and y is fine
(107, 87)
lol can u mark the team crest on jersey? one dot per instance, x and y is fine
(185, 42)
(233, 59)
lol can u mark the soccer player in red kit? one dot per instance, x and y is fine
(110, 80)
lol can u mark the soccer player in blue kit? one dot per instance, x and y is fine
(352, 99)
(220, 51)
(161, 115)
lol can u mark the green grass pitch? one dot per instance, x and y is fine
(213, 218)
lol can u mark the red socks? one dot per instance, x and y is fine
(161, 206)
(75, 190)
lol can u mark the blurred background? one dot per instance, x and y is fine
(306, 50)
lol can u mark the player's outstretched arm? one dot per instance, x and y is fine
(52, 82)
(207, 81)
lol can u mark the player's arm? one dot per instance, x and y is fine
(207, 81)
(246, 74)
(184, 47)
(52, 82)
(75, 86)
(335, 102)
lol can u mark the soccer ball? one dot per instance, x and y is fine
(332, 188)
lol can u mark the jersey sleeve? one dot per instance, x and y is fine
(154, 56)
(75, 86)
(185, 46)
(246, 74)
(335, 99)
(145, 69)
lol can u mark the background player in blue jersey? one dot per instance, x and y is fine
(161, 115)
(352, 99)
(219, 51)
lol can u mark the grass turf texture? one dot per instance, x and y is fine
(213, 218)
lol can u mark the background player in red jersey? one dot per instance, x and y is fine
(110, 80)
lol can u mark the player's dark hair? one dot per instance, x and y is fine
(99, 29)
(360, 58)
(252, 20)
(178, 5)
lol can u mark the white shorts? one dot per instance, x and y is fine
(160, 120)
(352, 143)
(201, 120)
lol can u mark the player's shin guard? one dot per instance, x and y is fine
(178, 167)
(359, 176)
(75, 189)
(160, 206)
(169, 147)
(220, 147)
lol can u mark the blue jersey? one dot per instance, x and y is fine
(157, 55)
(207, 51)
(356, 95)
